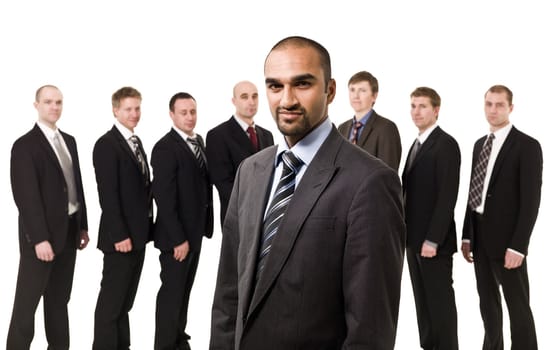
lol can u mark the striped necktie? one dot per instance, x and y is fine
(276, 210)
(479, 173)
(198, 151)
(355, 132)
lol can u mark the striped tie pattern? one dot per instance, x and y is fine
(198, 151)
(354, 136)
(67, 168)
(276, 210)
(479, 174)
(141, 159)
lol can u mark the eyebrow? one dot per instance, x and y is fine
(306, 76)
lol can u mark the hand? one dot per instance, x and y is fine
(44, 251)
(181, 251)
(84, 239)
(124, 246)
(428, 251)
(512, 260)
(467, 253)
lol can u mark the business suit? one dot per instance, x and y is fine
(125, 199)
(380, 137)
(227, 146)
(510, 211)
(41, 195)
(183, 193)
(430, 186)
(344, 223)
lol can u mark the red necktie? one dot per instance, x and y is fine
(252, 136)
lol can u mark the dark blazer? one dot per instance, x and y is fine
(380, 137)
(430, 190)
(124, 196)
(332, 279)
(513, 196)
(37, 179)
(227, 146)
(183, 194)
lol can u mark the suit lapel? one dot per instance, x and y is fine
(126, 147)
(368, 128)
(314, 181)
(241, 135)
(47, 147)
(425, 147)
(509, 141)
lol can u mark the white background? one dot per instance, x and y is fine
(90, 49)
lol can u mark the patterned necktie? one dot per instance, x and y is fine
(253, 137)
(413, 153)
(198, 152)
(141, 159)
(355, 132)
(276, 210)
(67, 168)
(479, 174)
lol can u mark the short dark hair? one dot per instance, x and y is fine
(300, 41)
(365, 76)
(179, 96)
(497, 89)
(424, 91)
(123, 93)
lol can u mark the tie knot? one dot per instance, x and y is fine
(193, 141)
(135, 140)
(358, 125)
(491, 137)
(291, 162)
(250, 129)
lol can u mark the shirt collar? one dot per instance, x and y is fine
(48, 132)
(306, 148)
(127, 134)
(502, 133)
(241, 123)
(183, 134)
(364, 118)
(425, 134)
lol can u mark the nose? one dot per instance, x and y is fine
(288, 97)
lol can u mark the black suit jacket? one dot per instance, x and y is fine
(40, 191)
(183, 193)
(513, 196)
(332, 278)
(125, 198)
(430, 190)
(380, 137)
(227, 146)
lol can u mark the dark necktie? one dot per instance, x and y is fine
(276, 209)
(140, 156)
(198, 152)
(413, 154)
(67, 168)
(355, 132)
(253, 137)
(479, 173)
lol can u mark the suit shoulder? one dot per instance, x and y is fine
(525, 137)
(344, 124)
(220, 128)
(263, 129)
(356, 159)
(385, 122)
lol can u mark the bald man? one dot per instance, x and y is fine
(234, 140)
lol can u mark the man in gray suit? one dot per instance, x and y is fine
(313, 240)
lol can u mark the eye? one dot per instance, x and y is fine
(303, 84)
(274, 87)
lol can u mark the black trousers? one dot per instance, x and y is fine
(119, 284)
(432, 282)
(173, 300)
(51, 280)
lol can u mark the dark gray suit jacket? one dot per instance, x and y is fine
(332, 279)
(380, 137)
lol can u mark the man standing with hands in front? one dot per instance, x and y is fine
(47, 189)
(124, 190)
(183, 194)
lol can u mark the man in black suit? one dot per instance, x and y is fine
(430, 182)
(320, 268)
(183, 194)
(122, 176)
(234, 140)
(504, 199)
(367, 129)
(47, 189)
